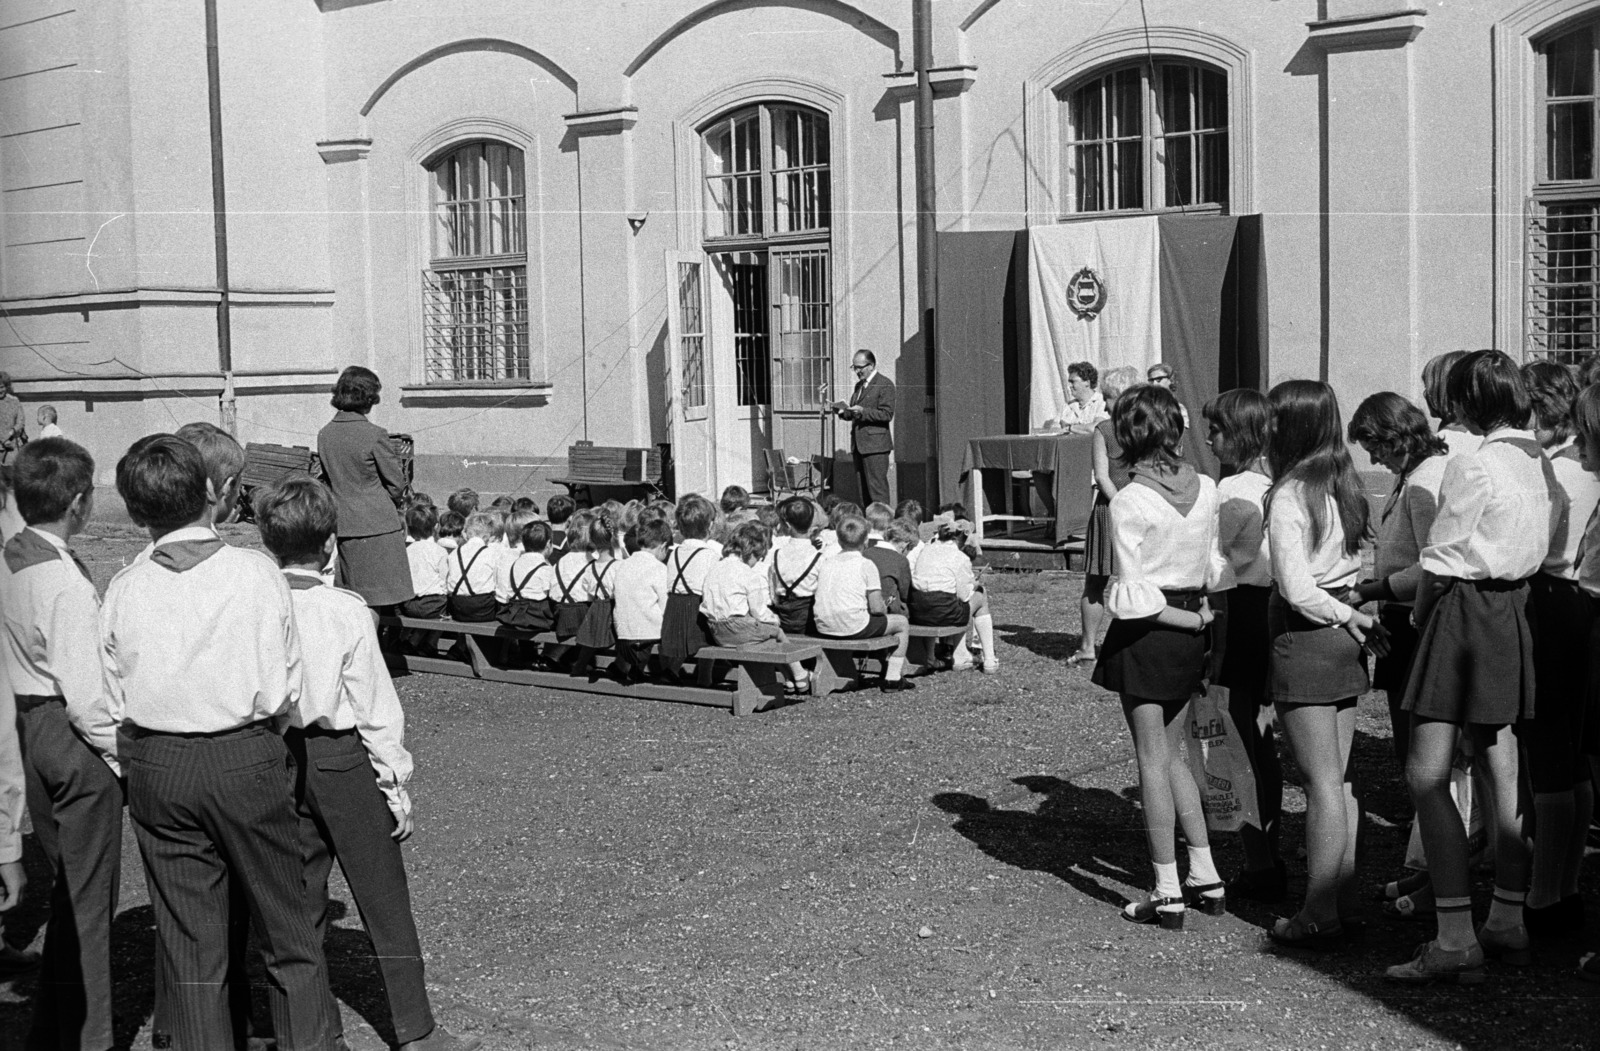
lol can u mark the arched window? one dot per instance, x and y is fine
(1563, 298)
(1146, 137)
(767, 173)
(475, 289)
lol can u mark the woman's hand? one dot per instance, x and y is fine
(1368, 632)
(1205, 615)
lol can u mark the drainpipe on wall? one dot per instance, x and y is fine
(219, 222)
(927, 234)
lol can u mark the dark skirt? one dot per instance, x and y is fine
(474, 609)
(683, 630)
(1392, 671)
(528, 614)
(1150, 661)
(1554, 736)
(939, 609)
(794, 613)
(1474, 660)
(877, 624)
(1097, 539)
(425, 607)
(1591, 715)
(569, 618)
(1311, 663)
(375, 567)
(599, 629)
(1244, 638)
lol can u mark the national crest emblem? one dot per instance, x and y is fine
(1086, 294)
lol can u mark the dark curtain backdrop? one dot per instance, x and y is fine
(1194, 264)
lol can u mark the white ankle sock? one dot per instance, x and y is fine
(1167, 880)
(1202, 869)
(896, 666)
(1505, 910)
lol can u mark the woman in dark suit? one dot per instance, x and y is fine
(368, 483)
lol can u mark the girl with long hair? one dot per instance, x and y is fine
(1164, 542)
(1317, 663)
(1473, 673)
(1239, 423)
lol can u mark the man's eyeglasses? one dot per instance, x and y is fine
(859, 368)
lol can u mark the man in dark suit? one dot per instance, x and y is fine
(869, 411)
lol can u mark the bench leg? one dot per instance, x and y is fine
(921, 650)
(835, 671)
(480, 663)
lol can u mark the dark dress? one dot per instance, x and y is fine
(1097, 538)
(368, 482)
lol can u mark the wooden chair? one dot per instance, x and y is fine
(794, 478)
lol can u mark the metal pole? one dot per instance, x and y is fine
(927, 235)
(219, 223)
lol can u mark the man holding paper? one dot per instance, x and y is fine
(869, 410)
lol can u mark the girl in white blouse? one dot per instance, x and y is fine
(1474, 666)
(1164, 537)
(1317, 668)
(1238, 424)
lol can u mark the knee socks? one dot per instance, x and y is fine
(896, 667)
(985, 625)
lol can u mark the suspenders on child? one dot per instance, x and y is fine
(794, 611)
(570, 614)
(680, 566)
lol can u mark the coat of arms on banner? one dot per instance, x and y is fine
(1086, 294)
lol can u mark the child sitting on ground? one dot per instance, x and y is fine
(523, 590)
(574, 577)
(470, 572)
(796, 557)
(347, 737)
(735, 598)
(449, 531)
(642, 584)
(463, 502)
(850, 603)
(945, 592)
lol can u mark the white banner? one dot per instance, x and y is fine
(1108, 270)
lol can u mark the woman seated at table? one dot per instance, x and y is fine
(1085, 406)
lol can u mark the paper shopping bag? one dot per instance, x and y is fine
(1220, 764)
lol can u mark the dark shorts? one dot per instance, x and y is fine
(877, 624)
(425, 607)
(939, 609)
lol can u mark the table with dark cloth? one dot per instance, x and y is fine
(1069, 457)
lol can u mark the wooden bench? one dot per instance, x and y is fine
(844, 656)
(610, 467)
(925, 640)
(758, 679)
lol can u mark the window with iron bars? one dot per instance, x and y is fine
(475, 289)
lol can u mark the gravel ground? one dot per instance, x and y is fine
(938, 869)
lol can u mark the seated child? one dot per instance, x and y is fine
(574, 577)
(430, 564)
(470, 573)
(463, 502)
(683, 629)
(735, 598)
(910, 510)
(850, 604)
(523, 590)
(878, 515)
(501, 503)
(449, 532)
(735, 498)
(559, 511)
(599, 630)
(48, 428)
(945, 591)
(796, 559)
(525, 503)
(894, 571)
(643, 583)
(347, 737)
(511, 536)
(829, 536)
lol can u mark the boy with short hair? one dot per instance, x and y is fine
(463, 502)
(524, 587)
(51, 650)
(470, 572)
(449, 531)
(347, 736)
(894, 571)
(642, 584)
(850, 604)
(202, 659)
(558, 511)
(878, 516)
(429, 563)
(224, 459)
(47, 422)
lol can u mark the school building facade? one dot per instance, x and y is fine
(673, 222)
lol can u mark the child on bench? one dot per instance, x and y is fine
(643, 583)
(850, 603)
(945, 592)
(470, 572)
(574, 573)
(735, 599)
(683, 629)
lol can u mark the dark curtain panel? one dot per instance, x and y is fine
(1195, 252)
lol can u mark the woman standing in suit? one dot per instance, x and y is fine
(368, 483)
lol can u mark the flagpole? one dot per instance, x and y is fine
(927, 235)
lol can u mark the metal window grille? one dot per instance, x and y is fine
(1563, 295)
(475, 324)
(692, 335)
(751, 329)
(803, 327)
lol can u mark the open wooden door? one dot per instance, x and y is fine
(688, 340)
(802, 359)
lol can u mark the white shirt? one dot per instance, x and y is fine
(1084, 414)
(207, 650)
(1495, 513)
(50, 430)
(1242, 529)
(1304, 574)
(694, 567)
(479, 561)
(429, 563)
(1154, 548)
(11, 522)
(1403, 526)
(642, 583)
(1458, 440)
(51, 643)
(797, 562)
(1589, 564)
(573, 580)
(537, 577)
(347, 686)
(733, 589)
(13, 782)
(842, 586)
(1577, 494)
(942, 566)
